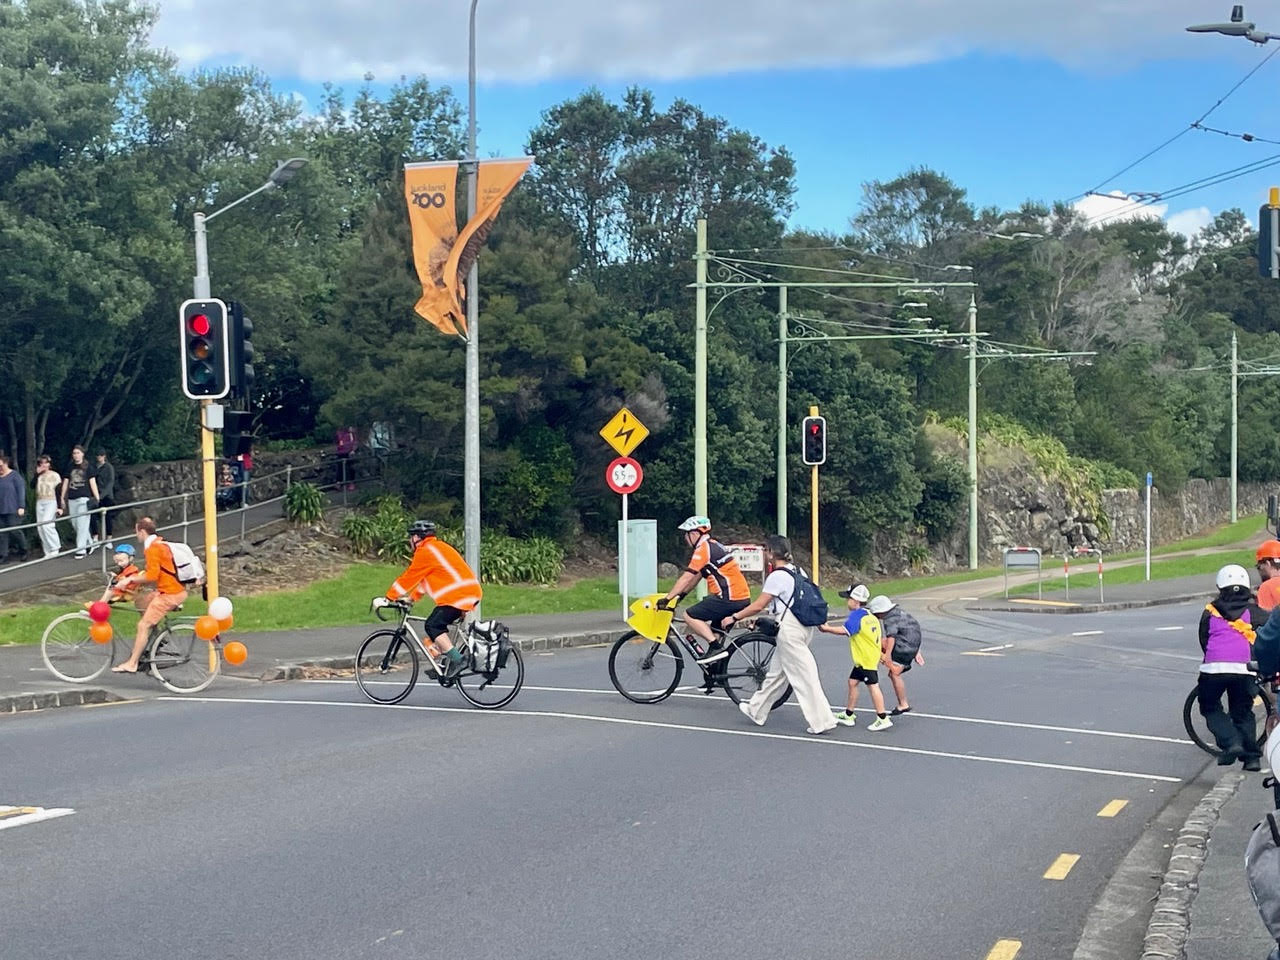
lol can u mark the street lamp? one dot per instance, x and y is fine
(1237, 27)
(285, 171)
(471, 389)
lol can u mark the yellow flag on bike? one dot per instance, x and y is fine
(647, 620)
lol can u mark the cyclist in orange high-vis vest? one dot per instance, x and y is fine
(439, 571)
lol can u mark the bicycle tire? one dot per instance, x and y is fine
(1200, 734)
(182, 661)
(754, 666)
(636, 656)
(70, 653)
(386, 666)
(473, 684)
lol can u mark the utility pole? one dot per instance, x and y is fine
(1235, 421)
(782, 412)
(700, 376)
(973, 432)
(471, 419)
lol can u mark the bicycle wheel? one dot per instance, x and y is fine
(1202, 736)
(495, 689)
(70, 653)
(182, 661)
(744, 669)
(387, 666)
(644, 671)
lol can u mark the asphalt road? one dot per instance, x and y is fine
(297, 821)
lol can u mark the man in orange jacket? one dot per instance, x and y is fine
(1268, 557)
(436, 569)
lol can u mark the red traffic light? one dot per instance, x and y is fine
(199, 324)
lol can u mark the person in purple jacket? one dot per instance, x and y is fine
(1228, 629)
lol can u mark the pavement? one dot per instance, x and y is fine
(1084, 597)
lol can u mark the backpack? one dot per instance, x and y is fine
(807, 603)
(1262, 868)
(187, 566)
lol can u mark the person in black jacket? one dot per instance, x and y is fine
(1228, 637)
(901, 646)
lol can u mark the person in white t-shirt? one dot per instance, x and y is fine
(792, 661)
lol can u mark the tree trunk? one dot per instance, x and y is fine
(29, 429)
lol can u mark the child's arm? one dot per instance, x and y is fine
(838, 629)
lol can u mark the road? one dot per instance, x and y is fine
(296, 821)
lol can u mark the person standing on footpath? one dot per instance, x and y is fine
(102, 482)
(13, 507)
(793, 662)
(47, 509)
(75, 499)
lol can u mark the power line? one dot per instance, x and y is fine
(1246, 137)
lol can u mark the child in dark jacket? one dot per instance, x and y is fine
(1228, 628)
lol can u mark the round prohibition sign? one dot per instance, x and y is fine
(623, 475)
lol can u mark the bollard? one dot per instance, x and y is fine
(1066, 576)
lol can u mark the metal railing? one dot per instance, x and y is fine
(345, 473)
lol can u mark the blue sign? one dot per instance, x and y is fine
(1148, 478)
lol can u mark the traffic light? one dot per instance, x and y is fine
(815, 441)
(237, 433)
(202, 333)
(241, 350)
(1268, 255)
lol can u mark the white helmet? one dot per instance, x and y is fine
(695, 523)
(1233, 575)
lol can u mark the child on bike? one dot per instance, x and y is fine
(863, 631)
(1228, 628)
(118, 591)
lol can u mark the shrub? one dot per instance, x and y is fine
(304, 503)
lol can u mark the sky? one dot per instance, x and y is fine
(1012, 99)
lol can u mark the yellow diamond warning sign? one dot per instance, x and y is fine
(624, 432)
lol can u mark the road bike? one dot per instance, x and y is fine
(646, 670)
(174, 655)
(1264, 713)
(388, 661)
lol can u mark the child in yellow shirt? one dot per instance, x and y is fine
(863, 631)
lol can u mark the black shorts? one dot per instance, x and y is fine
(905, 665)
(439, 620)
(869, 677)
(715, 609)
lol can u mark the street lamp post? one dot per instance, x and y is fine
(471, 422)
(285, 171)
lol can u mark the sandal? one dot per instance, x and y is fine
(899, 711)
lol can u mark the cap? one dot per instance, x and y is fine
(880, 604)
(858, 592)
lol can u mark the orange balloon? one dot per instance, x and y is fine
(100, 632)
(224, 625)
(235, 653)
(206, 627)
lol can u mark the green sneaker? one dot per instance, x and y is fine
(881, 723)
(845, 718)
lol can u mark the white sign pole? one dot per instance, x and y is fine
(622, 563)
(1148, 526)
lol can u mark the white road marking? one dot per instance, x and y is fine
(1003, 646)
(35, 816)
(1162, 629)
(655, 724)
(791, 703)
(1087, 633)
(979, 653)
(968, 598)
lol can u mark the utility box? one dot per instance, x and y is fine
(641, 545)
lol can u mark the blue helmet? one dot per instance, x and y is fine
(124, 548)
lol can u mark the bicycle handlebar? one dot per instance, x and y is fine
(397, 607)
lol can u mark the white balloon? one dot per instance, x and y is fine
(220, 608)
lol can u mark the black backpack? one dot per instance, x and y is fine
(807, 605)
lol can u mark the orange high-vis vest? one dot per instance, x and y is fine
(438, 569)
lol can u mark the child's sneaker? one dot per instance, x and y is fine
(845, 718)
(881, 723)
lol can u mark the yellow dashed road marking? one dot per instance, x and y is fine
(1112, 808)
(1005, 950)
(1062, 866)
(1046, 603)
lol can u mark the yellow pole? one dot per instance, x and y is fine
(813, 522)
(210, 515)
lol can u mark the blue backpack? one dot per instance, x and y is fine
(807, 603)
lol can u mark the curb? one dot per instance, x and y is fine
(1170, 923)
(23, 702)
(322, 666)
(1087, 607)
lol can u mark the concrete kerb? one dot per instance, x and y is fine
(1032, 607)
(1170, 923)
(330, 666)
(23, 702)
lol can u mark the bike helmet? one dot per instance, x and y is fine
(422, 528)
(124, 548)
(1232, 575)
(1270, 550)
(702, 524)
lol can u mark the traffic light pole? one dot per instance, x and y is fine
(973, 433)
(813, 521)
(208, 479)
(782, 412)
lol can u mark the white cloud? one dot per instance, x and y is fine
(1190, 222)
(1114, 207)
(525, 41)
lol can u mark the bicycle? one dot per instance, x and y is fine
(174, 655)
(645, 669)
(388, 661)
(1264, 712)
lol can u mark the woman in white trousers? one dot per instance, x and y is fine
(47, 509)
(793, 661)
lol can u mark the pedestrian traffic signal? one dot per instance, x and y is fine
(241, 350)
(815, 441)
(237, 433)
(202, 332)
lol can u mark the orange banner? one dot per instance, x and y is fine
(497, 179)
(429, 190)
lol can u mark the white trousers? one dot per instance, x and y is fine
(793, 663)
(46, 515)
(78, 510)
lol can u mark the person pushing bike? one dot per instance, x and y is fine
(729, 592)
(436, 569)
